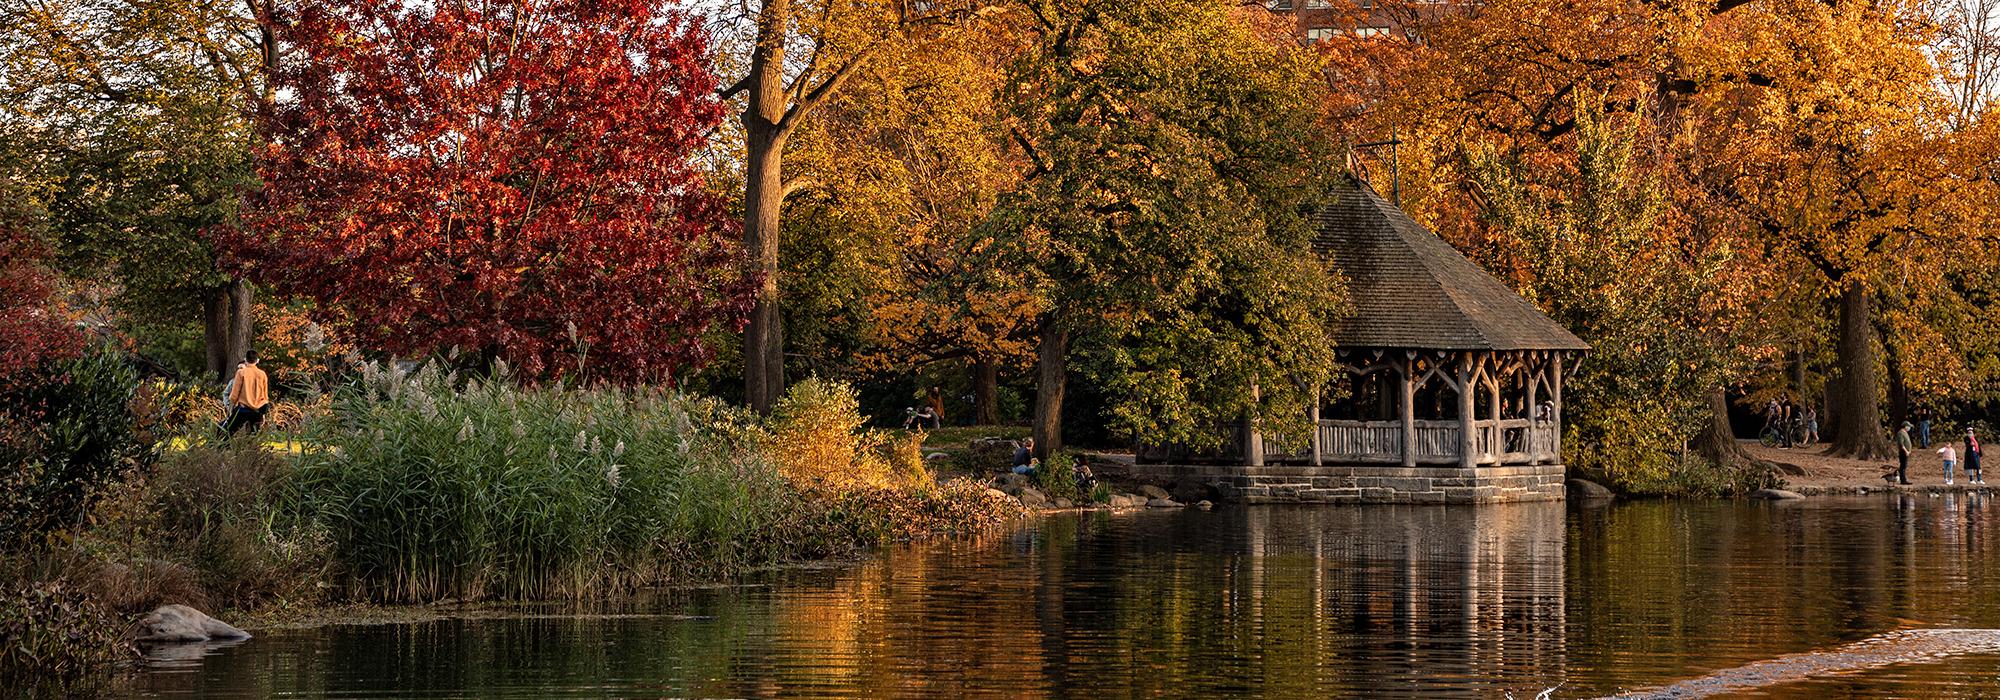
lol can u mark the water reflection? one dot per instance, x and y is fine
(1410, 601)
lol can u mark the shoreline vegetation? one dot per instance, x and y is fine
(421, 487)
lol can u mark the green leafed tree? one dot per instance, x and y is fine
(138, 111)
(1173, 157)
(1593, 251)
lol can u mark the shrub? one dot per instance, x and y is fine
(65, 436)
(55, 640)
(1058, 477)
(209, 527)
(816, 433)
(873, 515)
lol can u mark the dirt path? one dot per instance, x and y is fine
(1810, 472)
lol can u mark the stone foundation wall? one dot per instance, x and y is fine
(1360, 483)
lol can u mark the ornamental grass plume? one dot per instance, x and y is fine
(422, 505)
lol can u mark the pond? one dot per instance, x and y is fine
(1375, 601)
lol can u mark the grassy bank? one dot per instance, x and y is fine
(428, 486)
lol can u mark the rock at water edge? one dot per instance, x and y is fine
(1585, 489)
(1775, 495)
(1163, 503)
(1154, 492)
(180, 623)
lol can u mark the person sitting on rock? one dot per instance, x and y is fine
(1024, 454)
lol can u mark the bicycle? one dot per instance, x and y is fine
(1774, 436)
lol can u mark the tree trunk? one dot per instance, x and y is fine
(1717, 440)
(763, 200)
(1860, 414)
(226, 327)
(215, 328)
(985, 391)
(241, 327)
(1051, 378)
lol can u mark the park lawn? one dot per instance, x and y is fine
(953, 438)
(285, 444)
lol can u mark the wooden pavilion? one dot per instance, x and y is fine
(1454, 390)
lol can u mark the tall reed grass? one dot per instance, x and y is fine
(439, 488)
(435, 487)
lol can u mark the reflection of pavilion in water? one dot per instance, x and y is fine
(1431, 595)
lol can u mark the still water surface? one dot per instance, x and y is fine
(1370, 601)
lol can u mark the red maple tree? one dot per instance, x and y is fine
(33, 332)
(512, 179)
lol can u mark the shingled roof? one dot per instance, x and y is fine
(1411, 289)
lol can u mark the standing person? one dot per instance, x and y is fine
(1950, 460)
(1972, 473)
(1903, 454)
(1785, 422)
(1924, 427)
(1812, 425)
(250, 394)
(935, 400)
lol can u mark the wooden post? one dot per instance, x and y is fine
(1408, 408)
(1312, 417)
(1534, 427)
(1556, 400)
(1253, 441)
(1498, 441)
(1468, 455)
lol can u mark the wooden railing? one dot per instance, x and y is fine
(1361, 441)
(1437, 442)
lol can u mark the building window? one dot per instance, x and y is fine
(1281, 5)
(1319, 34)
(1319, 4)
(1370, 32)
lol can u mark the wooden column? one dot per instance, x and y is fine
(1253, 441)
(1499, 443)
(1312, 418)
(1533, 375)
(1556, 400)
(1468, 455)
(1408, 408)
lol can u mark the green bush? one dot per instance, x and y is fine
(1058, 477)
(67, 433)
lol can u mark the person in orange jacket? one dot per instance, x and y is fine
(249, 396)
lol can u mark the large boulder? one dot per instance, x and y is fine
(180, 623)
(1032, 497)
(1150, 492)
(1587, 490)
(1192, 491)
(1010, 479)
(1163, 503)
